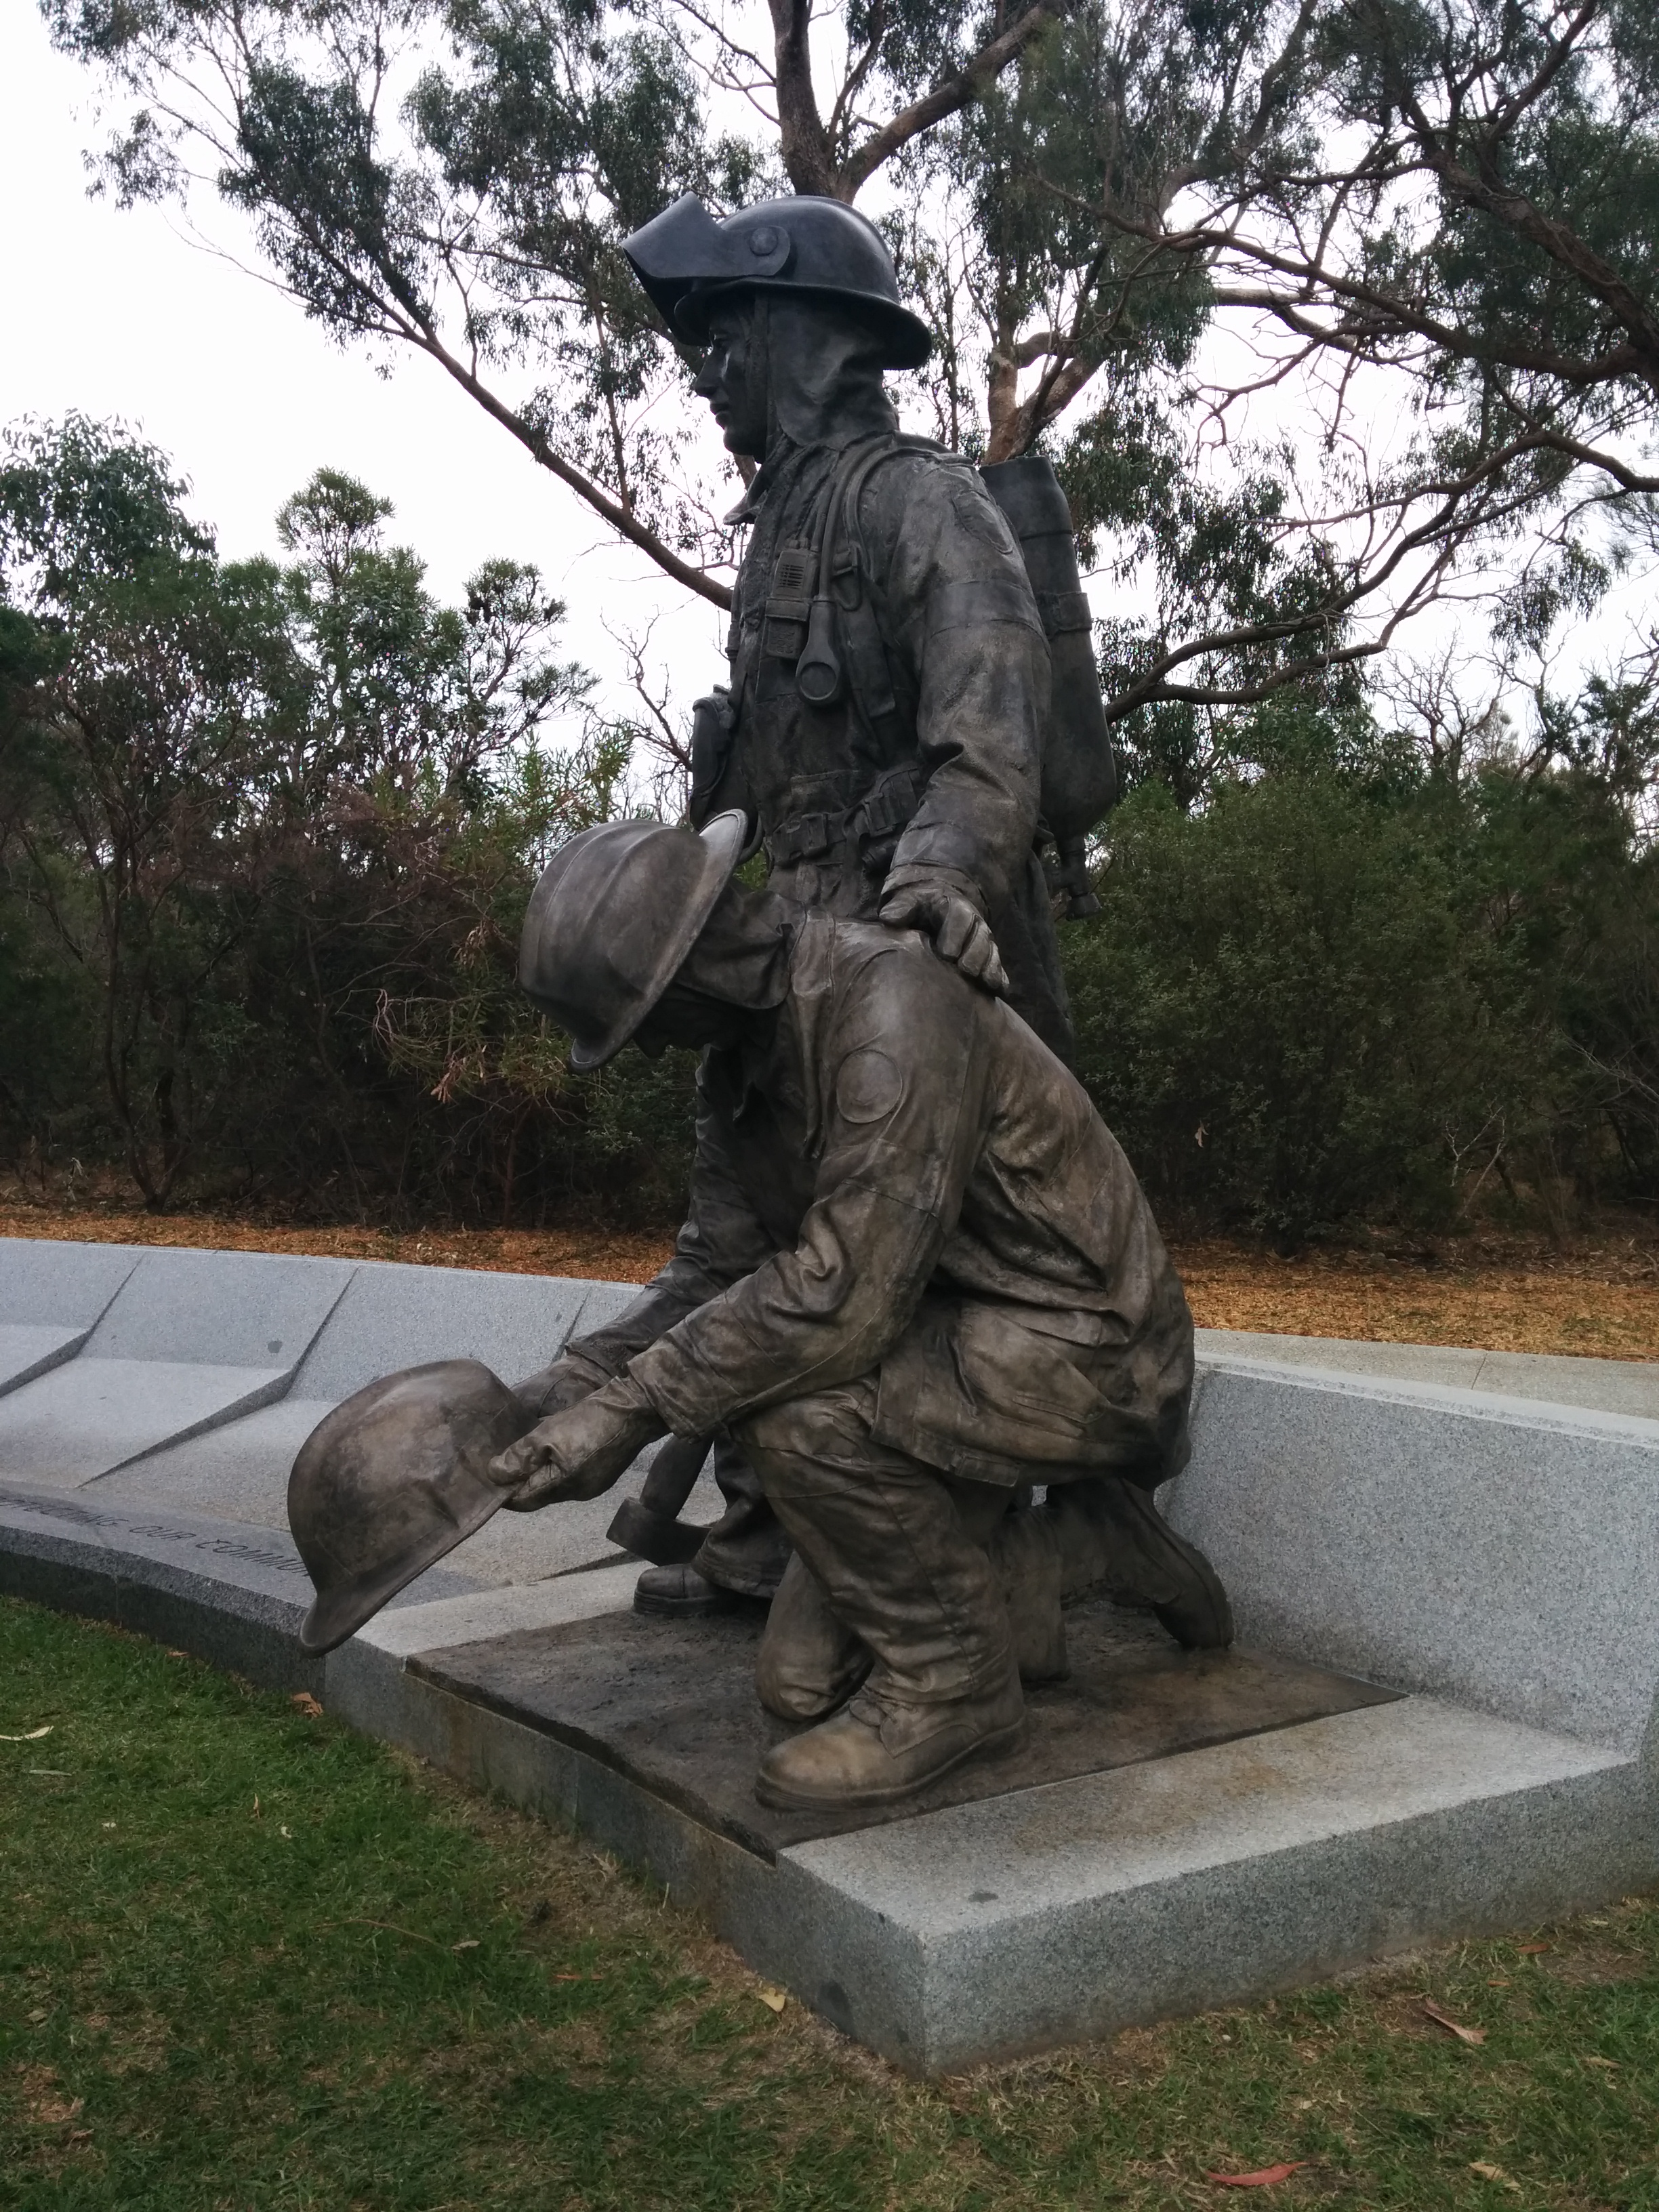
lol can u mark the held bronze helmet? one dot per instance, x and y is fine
(391, 1480)
(818, 248)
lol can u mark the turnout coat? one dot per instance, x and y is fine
(903, 1180)
(930, 753)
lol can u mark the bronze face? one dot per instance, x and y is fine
(737, 398)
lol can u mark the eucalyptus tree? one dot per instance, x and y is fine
(255, 815)
(1324, 307)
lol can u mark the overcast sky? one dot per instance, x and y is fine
(130, 315)
(124, 314)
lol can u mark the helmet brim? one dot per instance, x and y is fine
(342, 1613)
(725, 836)
(908, 342)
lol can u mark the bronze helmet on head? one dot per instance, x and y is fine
(814, 248)
(610, 922)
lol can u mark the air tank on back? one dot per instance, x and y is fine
(1079, 775)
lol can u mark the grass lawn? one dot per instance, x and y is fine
(247, 1960)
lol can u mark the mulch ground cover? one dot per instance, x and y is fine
(251, 1963)
(1512, 1295)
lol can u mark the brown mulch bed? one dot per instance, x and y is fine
(1601, 1299)
(1601, 1303)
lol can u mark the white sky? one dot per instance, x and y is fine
(123, 314)
(129, 315)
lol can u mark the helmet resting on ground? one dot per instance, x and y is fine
(819, 248)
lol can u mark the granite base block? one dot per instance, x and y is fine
(1490, 1550)
(1419, 1520)
(1607, 1385)
(1046, 1915)
(224, 1592)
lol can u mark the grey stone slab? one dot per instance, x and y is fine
(672, 1705)
(1016, 1924)
(27, 1352)
(394, 1316)
(1610, 1386)
(51, 1298)
(224, 1591)
(481, 1616)
(1496, 1552)
(220, 1308)
(43, 1280)
(237, 1471)
(85, 1418)
(1042, 1916)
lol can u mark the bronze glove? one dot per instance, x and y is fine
(581, 1451)
(945, 905)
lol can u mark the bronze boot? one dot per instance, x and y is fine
(1111, 1536)
(875, 1752)
(809, 1664)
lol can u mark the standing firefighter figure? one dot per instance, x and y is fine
(889, 729)
(891, 686)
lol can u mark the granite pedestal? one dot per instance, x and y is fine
(1438, 1721)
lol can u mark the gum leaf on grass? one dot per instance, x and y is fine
(1444, 2019)
(33, 1735)
(1264, 2178)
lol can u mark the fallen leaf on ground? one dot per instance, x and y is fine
(774, 2000)
(579, 1978)
(467, 1943)
(1531, 1950)
(178, 1654)
(37, 2016)
(1264, 2178)
(288, 1832)
(1591, 2060)
(1463, 2034)
(33, 1736)
(303, 1702)
(1488, 2172)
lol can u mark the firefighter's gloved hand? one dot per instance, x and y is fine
(562, 1384)
(580, 1452)
(946, 905)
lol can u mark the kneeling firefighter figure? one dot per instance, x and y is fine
(918, 1275)
(913, 715)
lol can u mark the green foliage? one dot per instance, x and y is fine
(1329, 997)
(267, 833)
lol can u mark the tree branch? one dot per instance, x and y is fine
(947, 99)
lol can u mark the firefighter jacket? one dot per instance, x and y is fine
(929, 751)
(901, 1179)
